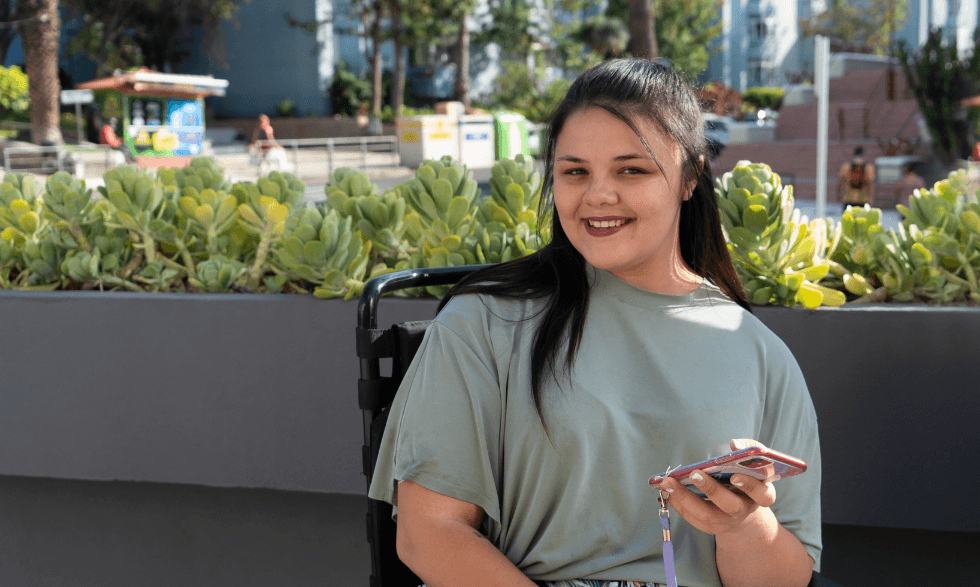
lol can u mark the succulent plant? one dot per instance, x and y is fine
(20, 208)
(217, 274)
(106, 263)
(346, 186)
(210, 215)
(444, 201)
(322, 249)
(201, 174)
(262, 211)
(42, 266)
(137, 201)
(67, 203)
(774, 250)
(515, 192)
(379, 216)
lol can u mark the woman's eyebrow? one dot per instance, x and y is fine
(626, 157)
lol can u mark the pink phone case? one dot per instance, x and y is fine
(764, 464)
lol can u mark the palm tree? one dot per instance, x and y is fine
(39, 37)
(643, 36)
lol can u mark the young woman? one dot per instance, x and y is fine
(550, 389)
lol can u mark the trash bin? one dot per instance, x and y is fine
(427, 137)
(536, 138)
(511, 135)
(476, 140)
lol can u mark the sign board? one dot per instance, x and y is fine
(77, 97)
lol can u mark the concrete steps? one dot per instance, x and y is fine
(869, 85)
(861, 120)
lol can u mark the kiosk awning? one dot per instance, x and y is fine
(146, 82)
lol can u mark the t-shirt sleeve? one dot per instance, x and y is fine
(444, 427)
(790, 426)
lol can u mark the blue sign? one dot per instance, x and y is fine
(186, 119)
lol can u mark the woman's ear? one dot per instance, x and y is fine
(693, 181)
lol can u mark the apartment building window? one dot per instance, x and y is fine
(760, 72)
(758, 29)
(755, 72)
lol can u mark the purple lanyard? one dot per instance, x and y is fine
(668, 545)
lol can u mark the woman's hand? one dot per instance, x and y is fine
(727, 510)
(751, 546)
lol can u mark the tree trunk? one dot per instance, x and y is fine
(462, 86)
(398, 85)
(40, 41)
(376, 61)
(643, 35)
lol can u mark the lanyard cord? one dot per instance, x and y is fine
(668, 545)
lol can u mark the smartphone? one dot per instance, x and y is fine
(764, 464)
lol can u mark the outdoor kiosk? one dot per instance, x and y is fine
(159, 116)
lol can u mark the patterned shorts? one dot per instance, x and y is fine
(595, 583)
(600, 583)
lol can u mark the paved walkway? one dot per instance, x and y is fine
(312, 166)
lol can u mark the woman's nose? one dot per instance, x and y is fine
(601, 190)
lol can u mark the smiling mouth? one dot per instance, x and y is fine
(607, 223)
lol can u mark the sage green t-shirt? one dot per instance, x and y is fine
(659, 381)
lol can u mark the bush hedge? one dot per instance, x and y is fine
(763, 97)
(191, 230)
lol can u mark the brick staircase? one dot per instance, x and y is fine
(860, 99)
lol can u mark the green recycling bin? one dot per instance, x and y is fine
(511, 135)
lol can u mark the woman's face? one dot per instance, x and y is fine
(620, 210)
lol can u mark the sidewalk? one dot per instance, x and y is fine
(312, 166)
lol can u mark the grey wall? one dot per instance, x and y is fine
(896, 393)
(220, 390)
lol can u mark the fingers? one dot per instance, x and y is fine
(740, 443)
(724, 498)
(701, 514)
(763, 494)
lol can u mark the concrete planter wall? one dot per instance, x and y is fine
(212, 398)
(219, 390)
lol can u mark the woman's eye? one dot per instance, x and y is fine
(574, 171)
(633, 171)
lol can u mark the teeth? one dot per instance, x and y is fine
(606, 223)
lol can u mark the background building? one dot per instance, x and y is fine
(761, 43)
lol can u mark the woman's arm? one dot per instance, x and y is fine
(438, 540)
(751, 546)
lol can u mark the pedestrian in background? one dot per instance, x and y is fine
(856, 181)
(910, 182)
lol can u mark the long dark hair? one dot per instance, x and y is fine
(628, 89)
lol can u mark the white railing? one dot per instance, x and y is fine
(360, 152)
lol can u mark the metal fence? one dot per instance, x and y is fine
(48, 160)
(313, 159)
(327, 154)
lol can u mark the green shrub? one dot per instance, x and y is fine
(763, 97)
(286, 109)
(348, 91)
(515, 90)
(13, 90)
